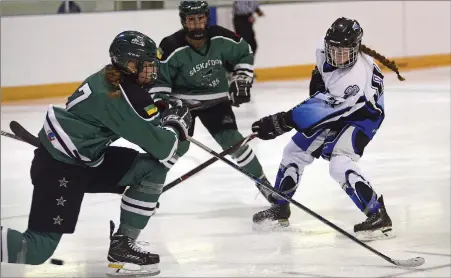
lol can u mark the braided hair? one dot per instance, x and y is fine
(389, 64)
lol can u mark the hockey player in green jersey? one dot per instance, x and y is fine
(193, 70)
(75, 158)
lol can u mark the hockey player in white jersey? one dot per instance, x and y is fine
(342, 115)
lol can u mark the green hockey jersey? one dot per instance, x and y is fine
(97, 114)
(200, 75)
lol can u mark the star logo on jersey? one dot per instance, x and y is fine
(60, 201)
(57, 220)
(63, 182)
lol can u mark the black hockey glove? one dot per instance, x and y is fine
(272, 126)
(240, 89)
(164, 102)
(179, 118)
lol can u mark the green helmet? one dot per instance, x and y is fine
(187, 8)
(133, 46)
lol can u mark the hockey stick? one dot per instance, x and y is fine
(208, 163)
(22, 134)
(413, 262)
(10, 135)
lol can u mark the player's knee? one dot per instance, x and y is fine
(338, 165)
(291, 171)
(146, 171)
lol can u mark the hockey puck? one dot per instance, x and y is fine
(56, 261)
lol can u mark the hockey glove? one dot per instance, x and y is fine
(240, 89)
(179, 118)
(272, 126)
(164, 102)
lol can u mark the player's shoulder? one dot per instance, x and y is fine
(97, 83)
(359, 71)
(320, 54)
(219, 32)
(172, 43)
(369, 63)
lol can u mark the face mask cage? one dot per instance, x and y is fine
(341, 57)
(195, 33)
(148, 71)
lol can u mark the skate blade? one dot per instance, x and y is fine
(379, 234)
(132, 270)
(271, 226)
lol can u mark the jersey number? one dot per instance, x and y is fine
(83, 93)
(377, 82)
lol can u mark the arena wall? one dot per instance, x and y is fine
(48, 56)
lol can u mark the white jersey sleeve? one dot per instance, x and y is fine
(346, 91)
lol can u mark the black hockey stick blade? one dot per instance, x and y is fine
(23, 134)
(10, 135)
(413, 262)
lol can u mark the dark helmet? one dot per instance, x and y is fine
(342, 42)
(187, 8)
(134, 46)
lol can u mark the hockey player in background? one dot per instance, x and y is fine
(342, 115)
(193, 70)
(75, 158)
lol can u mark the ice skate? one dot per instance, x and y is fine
(126, 258)
(376, 226)
(274, 218)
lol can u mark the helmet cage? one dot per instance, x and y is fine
(340, 56)
(188, 8)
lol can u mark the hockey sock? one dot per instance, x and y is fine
(137, 206)
(347, 173)
(244, 156)
(31, 247)
(361, 192)
(145, 180)
(286, 182)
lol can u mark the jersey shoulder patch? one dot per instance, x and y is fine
(219, 31)
(139, 99)
(171, 43)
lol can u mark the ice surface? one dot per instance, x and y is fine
(204, 225)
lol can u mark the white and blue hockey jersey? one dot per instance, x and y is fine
(354, 95)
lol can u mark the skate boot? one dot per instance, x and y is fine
(376, 226)
(128, 259)
(274, 218)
